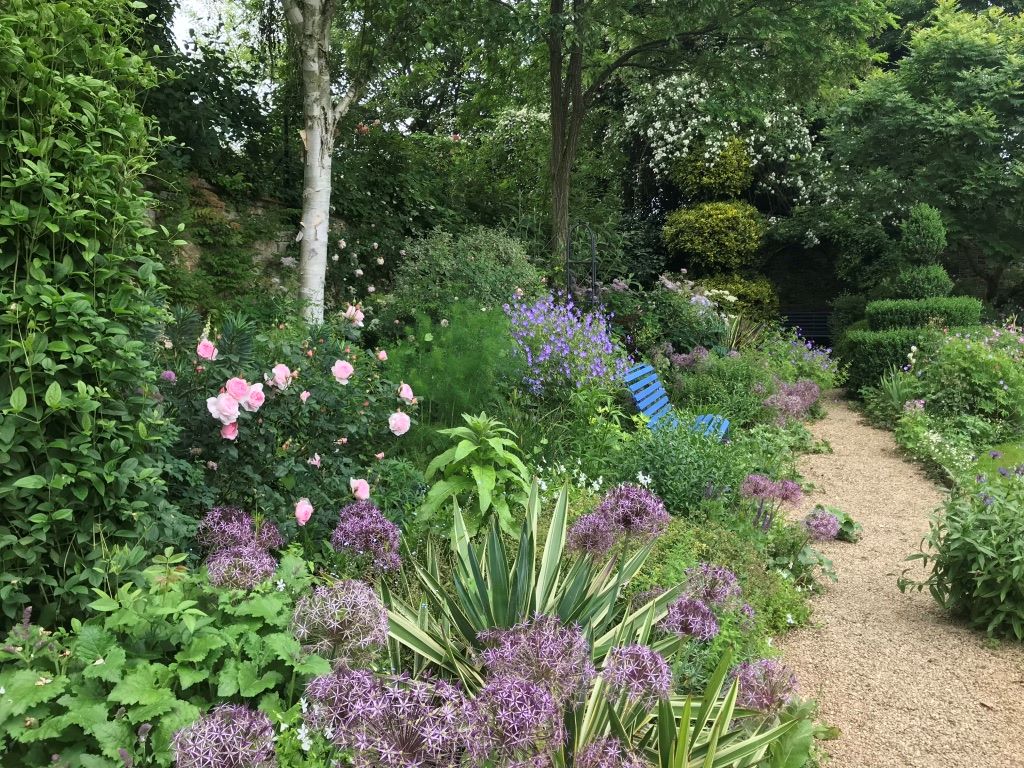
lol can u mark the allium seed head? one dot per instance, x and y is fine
(764, 686)
(363, 531)
(822, 525)
(712, 584)
(607, 753)
(512, 722)
(691, 617)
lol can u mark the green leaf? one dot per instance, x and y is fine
(484, 477)
(33, 482)
(18, 400)
(53, 395)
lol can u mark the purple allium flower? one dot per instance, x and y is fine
(764, 686)
(689, 360)
(822, 525)
(996, 454)
(229, 736)
(639, 672)
(691, 617)
(344, 621)
(169, 376)
(712, 584)
(543, 651)
(636, 511)
(512, 722)
(388, 722)
(364, 531)
(792, 401)
(593, 535)
(225, 527)
(607, 753)
(789, 492)
(240, 567)
(758, 487)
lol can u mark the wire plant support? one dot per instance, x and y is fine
(571, 260)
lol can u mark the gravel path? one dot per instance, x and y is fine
(907, 687)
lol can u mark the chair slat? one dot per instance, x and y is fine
(653, 402)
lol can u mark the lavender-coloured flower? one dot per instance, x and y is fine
(363, 530)
(765, 685)
(543, 651)
(232, 527)
(607, 753)
(792, 401)
(822, 525)
(691, 617)
(512, 722)
(344, 621)
(690, 359)
(593, 535)
(241, 567)
(636, 511)
(639, 673)
(789, 492)
(712, 584)
(169, 376)
(388, 722)
(229, 736)
(758, 487)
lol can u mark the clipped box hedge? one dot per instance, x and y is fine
(870, 353)
(947, 311)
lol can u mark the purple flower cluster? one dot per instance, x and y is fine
(768, 493)
(793, 401)
(822, 525)
(238, 548)
(364, 531)
(345, 621)
(543, 651)
(607, 753)
(712, 584)
(512, 723)
(242, 567)
(639, 673)
(690, 360)
(626, 511)
(765, 685)
(593, 535)
(392, 722)
(229, 736)
(564, 347)
(691, 617)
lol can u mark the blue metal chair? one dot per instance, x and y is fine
(652, 401)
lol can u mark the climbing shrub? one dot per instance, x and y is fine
(973, 552)
(81, 444)
(716, 237)
(912, 313)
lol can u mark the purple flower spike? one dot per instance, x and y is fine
(691, 617)
(607, 753)
(363, 530)
(822, 525)
(764, 686)
(345, 621)
(230, 736)
(543, 651)
(639, 672)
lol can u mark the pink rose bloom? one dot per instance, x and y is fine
(341, 440)
(342, 370)
(304, 395)
(382, 355)
(238, 389)
(315, 461)
(223, 407)
(303, 511)
(255, 399)
(379, 456)
(206, 350)
(405, 393)
(360, 488)
(229, 431)
(399, 423)
(280, 376)
(354, 315)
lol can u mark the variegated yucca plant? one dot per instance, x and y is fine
(446, 636)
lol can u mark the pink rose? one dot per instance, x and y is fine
(379, 456)
(342, 441)
(255, 399)
(229, 431)
(382, 355)
(206, 350)
(280, 376)
(399, 423)
(354, 315)
(238, 389)
(360, 488)
(315, 460)
(303, 511)
(405, 393)
(304, 395)
(223, 407)
(342, 370)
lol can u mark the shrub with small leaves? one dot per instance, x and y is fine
(716, 237)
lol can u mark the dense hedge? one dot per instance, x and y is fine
(870, 353)
(715, 237)
(925, 282)
(912, 313)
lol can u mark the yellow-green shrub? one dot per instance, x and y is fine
(755, 296)
(716, 237)
(728, 175)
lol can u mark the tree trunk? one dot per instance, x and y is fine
(320, 113)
